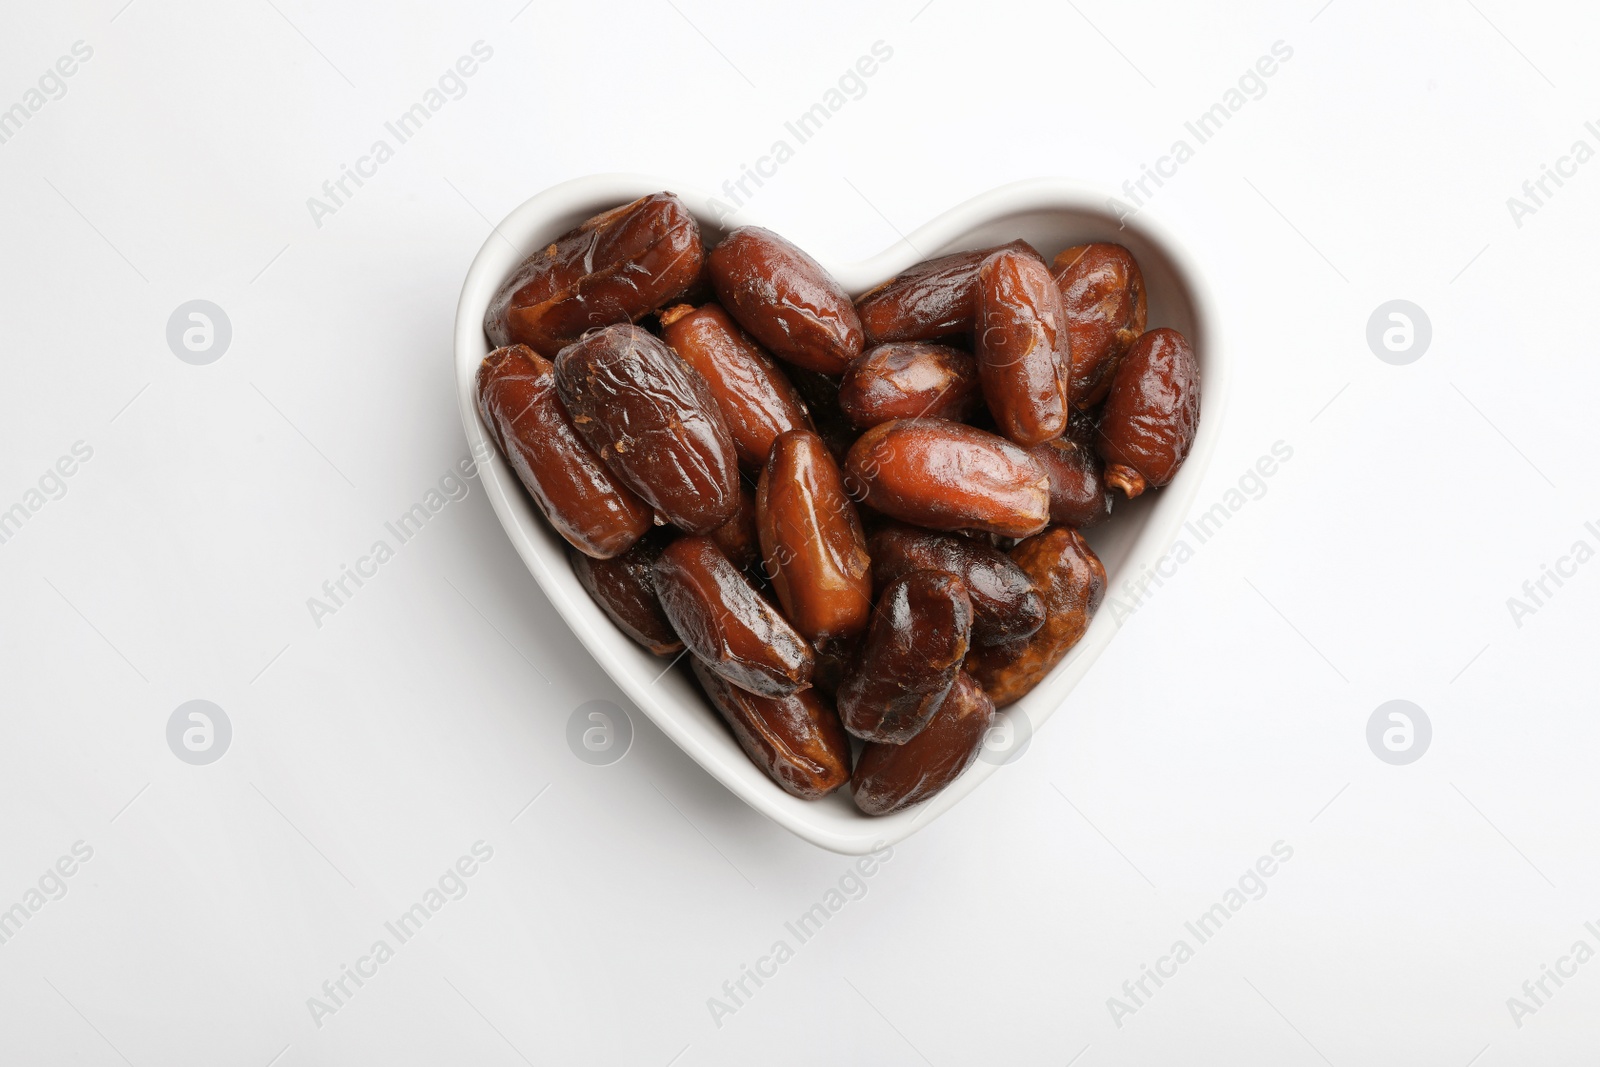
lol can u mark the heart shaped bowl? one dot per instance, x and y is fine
(1049, 213)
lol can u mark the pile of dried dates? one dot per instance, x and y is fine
(860, 517)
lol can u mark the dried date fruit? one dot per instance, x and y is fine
(1072, 580)
(581, 498)
(756, 400)
(812, 541)
(625, 588)
(1148, 424)
(932, 299)
(652, 420)
(921, 630)
(1078, 495)
(726, 623)
(1020, 347)
(1005, 605)
(949, 476)
(615, 267)
(796, 739)
(889, 778)
(786, 300)
(1103, 300)
(909, 380)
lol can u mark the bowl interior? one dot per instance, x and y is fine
(1051, 215)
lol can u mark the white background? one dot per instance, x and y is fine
(368, 754)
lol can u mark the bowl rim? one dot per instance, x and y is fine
(534, 221)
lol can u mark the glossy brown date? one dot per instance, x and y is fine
(651, 418)
(1103, 300)
(1149, 420)
(948, 476)
(625, 588)
(615, 267)
(932, 299)
(1073, 582)
(580, 497)
(786, 300)
(1005, 605)
(757, 402)
(812, 540)
(1021, 348)
(909, 380)
(726, 623)
(889, 778)
(1078, 495)
(921, 630)
(796, 739)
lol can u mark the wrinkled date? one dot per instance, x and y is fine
(786, 300)
(796, 739)
(757, 402)
(888, 778)
(625, 588)
(726, 623)
(580, 497)
(1005, 605)
(921, 630)
(910, 380)
(949, 476)
(616, 267)
(1078, 495)
(1022, 353)
(932, 299)
(811, 538)
(653, 421)
(1073, 582)
(1103, 300)
(1151, 414)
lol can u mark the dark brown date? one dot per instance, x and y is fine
(1021, 348)
(652, 419)
(1073, 582)
(580, 497)
(909, 380)
(786, 300)
(888, 778)
(821, 394)
(726, 623)
(1078, 495)
(756, 400)
(796, 739)
(616, 267)
(738, 537)
(1005, 605)
(811, 538)
(949, 476)
(921, 630)
(1148, 424)
(1103, 300)
(932, 299)
(625, 588)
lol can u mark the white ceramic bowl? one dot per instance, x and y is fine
(1049, 213)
